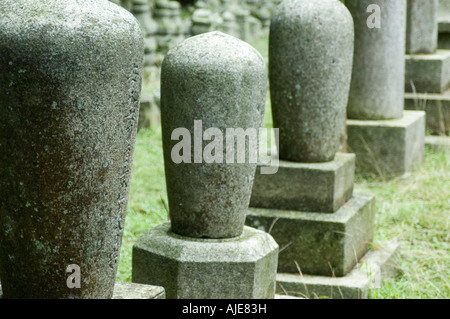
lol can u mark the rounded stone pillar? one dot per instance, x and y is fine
(377, 89)
(70, 80)
(422, 26)
(210, 81)
(310, 52)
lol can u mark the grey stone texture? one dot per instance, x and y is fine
(319, 244)
(313, 187)
(422, 26)
(243, 267)
(220, 80)
(310, 53)
(70, 80)
(376, 265)
(128, 290)
(428, 73)
(388, 148)
(378, 77)
(436, 107)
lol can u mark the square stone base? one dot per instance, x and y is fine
(376, 265)
(429, 73)
(316, 243)
(126, 290)
(313, 187)
(437, 108)
(243, 267)
(388, 148)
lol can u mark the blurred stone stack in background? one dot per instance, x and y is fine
(166, 23)
(172, 21)
(427, 78)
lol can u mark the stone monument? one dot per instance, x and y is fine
(70, 80)
(309, 206)
(216, 82)
(427, 78)
(387, 140)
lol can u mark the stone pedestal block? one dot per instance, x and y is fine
(319, 244)
(388, 148)
(243, 267)
(437, 108)
(377, 264)
(127, 290)
(427, 72)
(314, 187)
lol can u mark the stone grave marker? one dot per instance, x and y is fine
(387, 140)
(309, 206)
(212, 82)
(70, 81)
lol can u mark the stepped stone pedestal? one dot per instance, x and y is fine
(327, 244)
(427, 75)
(378, 264)
(437, 109)
(316, 187)
(388, 148)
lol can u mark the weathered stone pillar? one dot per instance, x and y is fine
(213, 86)
(70, 80)
(311, 55)
(379, 63)
(387, 140)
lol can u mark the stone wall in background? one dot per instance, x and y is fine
(166, 23)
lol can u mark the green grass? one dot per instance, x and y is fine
(413, 210)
